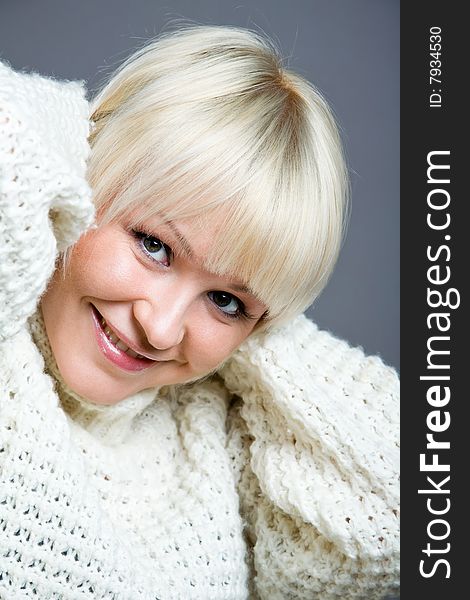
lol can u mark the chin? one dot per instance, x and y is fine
(90, 384)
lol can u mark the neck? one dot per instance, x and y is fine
(111, 423)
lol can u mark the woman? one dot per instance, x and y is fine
(172, 426)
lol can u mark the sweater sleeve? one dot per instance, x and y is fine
(315, 445)
(45, 202)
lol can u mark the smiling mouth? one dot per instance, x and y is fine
(114, 349)
(117, 341)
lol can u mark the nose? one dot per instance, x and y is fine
(162, 319)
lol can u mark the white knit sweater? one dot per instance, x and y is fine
(276, 479)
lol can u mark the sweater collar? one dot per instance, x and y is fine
(109, 423)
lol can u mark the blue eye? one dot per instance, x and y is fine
(227, 303)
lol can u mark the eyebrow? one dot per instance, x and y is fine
(186, 247)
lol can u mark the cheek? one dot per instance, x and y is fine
(212, 342)
(104, 268)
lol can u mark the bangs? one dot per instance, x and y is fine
(197, 126)
(262, 225)
(259, 252)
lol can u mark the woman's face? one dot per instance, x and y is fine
(136, 309)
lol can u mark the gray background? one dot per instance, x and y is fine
(348, 48)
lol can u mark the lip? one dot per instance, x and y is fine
(115, 354)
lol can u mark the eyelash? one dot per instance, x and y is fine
(139, 235)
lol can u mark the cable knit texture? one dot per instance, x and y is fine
(277, 478)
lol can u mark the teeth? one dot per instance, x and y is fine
(119, 343)
(114, 338)
(132, 353)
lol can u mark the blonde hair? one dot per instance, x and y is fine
(206, 118)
